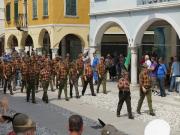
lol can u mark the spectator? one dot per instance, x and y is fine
(21, 123)
(94, 65)
(108, 63)
(147, 61)
(161, 74)
(175, 72)
(153, 69)
(75, 125)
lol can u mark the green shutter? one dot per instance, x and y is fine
(34, 8)
(45, 7)
(16, 9)
(71, 7)
(8, 12)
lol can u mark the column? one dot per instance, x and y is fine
(54, 52)
(134, 77)
(63, 48)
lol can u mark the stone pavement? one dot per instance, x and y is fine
(102, 106)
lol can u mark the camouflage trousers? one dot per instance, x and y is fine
(45, 85)
(31, 90)
(74, 82)
(62, 85)
(102, 80)
(7, 83)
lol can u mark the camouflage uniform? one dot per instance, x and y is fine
(24, 72)
(45, 76)
(80, 68)
(7, 71)
(37, 71)
(73, 76)
(1, 73)
(88, 78)
(101, 68)
(124, 95)
(31, 76)
(62, 80)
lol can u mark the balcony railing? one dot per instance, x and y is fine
(21, 22)
(145, 2)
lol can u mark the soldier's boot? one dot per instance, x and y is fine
(71, 87)
(59, 94)
(46, 98)
(11, 92)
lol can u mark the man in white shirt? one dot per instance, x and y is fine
(147, 61)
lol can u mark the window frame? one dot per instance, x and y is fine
(46, 15)
(8, 20)
(34, 17)
(16, 15)
(71, 16)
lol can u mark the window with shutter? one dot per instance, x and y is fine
(16, 10)
(8, 12)
(71, 7)
(34, 8)
(45, 7)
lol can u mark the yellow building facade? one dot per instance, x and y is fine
(47, 26)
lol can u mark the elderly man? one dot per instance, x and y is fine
(145, 90)
(124, 95)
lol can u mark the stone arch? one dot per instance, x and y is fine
(12, 41)
(75, 34)
(71, 43)
(41, 36)
(146, 22)
(104, 26)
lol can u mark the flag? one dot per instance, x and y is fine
(128, 60)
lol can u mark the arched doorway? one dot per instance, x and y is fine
(111, 38)
(114, 41)
(71, 44)
(160, 39)
(12, 42)
(29, 45)
(1, 45)
(45, 43)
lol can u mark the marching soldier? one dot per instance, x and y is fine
(73, 76)
(88, 78)
(62, 80)
(45, 76)
(124, 95)
(24, 72)
(7, 73)
(80, 67)
(37, 71)
(1, 73)
(101, 68)
(145, 89)
(50, 63)
(31, 76)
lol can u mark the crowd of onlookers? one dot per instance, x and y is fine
(164, 75)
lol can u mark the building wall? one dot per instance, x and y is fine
(1, 27)
(56, 13)
(56, 24)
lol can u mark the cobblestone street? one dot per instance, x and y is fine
(165, 108)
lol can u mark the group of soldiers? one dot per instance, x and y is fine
(40, 71)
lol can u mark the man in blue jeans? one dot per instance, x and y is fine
(175, 72)
(161, 74)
